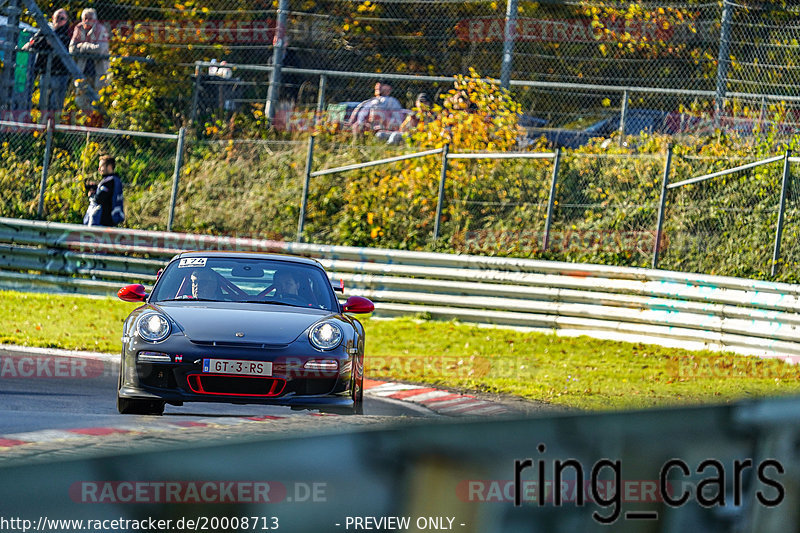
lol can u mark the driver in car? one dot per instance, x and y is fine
(205, 285)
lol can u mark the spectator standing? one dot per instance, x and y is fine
(379, 112)
(106, 200)
(51, 99)
(89, 44)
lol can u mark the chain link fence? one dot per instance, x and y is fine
(572, 65)
(591, 208)
(579, 70)
(506, 214)
(606, 208)
(71, 155)
(727, 224)
(21, 153)
(240, 187)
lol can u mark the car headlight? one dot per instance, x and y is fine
(325, 336)
(153, 327)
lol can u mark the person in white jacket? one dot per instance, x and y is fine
(378, 113)
(90, 38)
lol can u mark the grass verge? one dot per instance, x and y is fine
(576, 372)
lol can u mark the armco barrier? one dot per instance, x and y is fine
(671, 308)
(740, 459)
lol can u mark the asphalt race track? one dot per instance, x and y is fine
(66, 403)
(58, 411)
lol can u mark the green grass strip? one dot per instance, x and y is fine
(578, 372)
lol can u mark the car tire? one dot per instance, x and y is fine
(128, 406)
(356, 409)
(358, 400)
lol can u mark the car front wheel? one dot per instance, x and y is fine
(358, 400)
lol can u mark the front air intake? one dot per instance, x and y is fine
(227, 385)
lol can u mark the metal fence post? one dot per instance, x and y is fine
(723, 60)
(310, 158)
(48, 151)
(776, 253)
(84, 155)
(508, 43)
(440, 202)
(176, 176)
(662, 204)
(623, 117)
(551, 200)
(279, 46)
(44, 88)
(195, 94)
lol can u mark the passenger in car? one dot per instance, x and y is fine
(286, 286)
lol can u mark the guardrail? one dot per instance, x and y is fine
(465, 470)
(633, 304)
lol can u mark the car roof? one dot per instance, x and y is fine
(223, 254)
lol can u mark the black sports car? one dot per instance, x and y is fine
(241, 327)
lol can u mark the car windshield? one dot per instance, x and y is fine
(262, 281)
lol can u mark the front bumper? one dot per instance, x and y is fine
(183, 380)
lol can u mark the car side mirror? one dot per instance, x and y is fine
(132, 293)
(358, 305)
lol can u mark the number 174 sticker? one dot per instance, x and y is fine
(192, 262)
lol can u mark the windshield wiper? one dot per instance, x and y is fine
(190, 300)
(273, 302)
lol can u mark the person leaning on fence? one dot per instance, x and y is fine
(89, 45)
(51, 101)
(382, 111)
(106, 200)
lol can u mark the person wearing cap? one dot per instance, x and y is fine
(377, 113)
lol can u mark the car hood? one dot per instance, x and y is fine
(254, 323)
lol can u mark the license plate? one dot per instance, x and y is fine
(233, 366)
